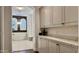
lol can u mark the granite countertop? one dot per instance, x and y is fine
(71, 42)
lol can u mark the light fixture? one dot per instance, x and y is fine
(20, 8)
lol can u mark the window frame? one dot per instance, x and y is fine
(18, 26)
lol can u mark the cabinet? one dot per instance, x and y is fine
(58, 15)
(42, 17)
(53, 47)
(51, 16)
(43, 45)
(68, 48)
(46, 16)
(50, 46)
(70, 14)
(47, 46)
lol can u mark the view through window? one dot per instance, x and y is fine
(19, 24)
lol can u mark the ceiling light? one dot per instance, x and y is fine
(20, 8)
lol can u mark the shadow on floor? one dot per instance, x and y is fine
(24, 51)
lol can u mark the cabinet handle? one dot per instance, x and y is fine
(57, 44)
(62, 23)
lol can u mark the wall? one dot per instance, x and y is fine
(36, 22)
(70, 32)
(0, 29)
(78, 30)
(19, 36)
(6, 29)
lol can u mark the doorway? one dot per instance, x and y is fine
(22, 38)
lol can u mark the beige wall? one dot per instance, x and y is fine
(37, 27)
(0, 29)
(78, 29)
(6, 29)
(19, 36)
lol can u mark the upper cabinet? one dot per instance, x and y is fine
(58, 15)
(42, 16)
(71, 14)
(46, 16)
(52, 16)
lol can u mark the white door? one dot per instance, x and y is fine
(58, 14)
(71, 14)
(43, 45)
(53, 47)
(67, 48)
(42, 17)
(46, 16)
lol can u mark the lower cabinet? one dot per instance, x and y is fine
(50, 46)
(43, 46)
(53, 47)
(47, 46)
(68, 48)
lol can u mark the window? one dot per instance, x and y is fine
(23, 24)
(19, 24)
(14, 24)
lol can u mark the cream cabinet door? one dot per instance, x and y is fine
(58, 15)
(71, 14)
(42, 17)
(53, 47)
(46, 16)
(43, 45)
(76, 49)
(67, 48)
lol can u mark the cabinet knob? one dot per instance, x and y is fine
(62, 23)
(57, 44)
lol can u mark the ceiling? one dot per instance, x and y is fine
(23, 11)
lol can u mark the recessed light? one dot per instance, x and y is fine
(20, 8)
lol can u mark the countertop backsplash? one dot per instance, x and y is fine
(64, 37)
(64, 32)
